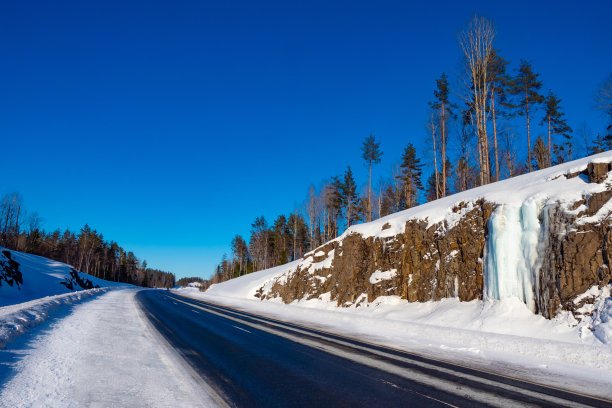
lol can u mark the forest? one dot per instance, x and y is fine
(86, 250)
(493, 105)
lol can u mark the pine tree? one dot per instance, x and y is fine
(554, 118)
(540, 154)
(525, 87)
(371, 154)
(499, 81)
(604, 103)
(444, 111)
(348, 197)
(411, 175)
(430, 191)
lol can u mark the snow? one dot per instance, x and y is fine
(550, 184)
(16, 319)
(104, 354)
(29, 304)
(41, 278)
(379, 276)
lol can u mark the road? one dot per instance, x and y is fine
(253, 361)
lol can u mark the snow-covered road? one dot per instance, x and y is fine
(104, 354)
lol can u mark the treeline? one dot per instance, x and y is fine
(193, 279)
(86, 250)
(483, 116)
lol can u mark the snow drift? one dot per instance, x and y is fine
(32, 286)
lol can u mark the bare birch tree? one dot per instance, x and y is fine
(477, 45)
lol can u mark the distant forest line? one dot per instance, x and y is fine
(480, 116)
(86, 250)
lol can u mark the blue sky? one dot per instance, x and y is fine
(169, 126)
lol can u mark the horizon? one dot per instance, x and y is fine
(168, 129)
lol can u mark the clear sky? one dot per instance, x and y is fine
(169, 126)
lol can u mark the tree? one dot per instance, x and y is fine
(443, 108)
(348, 197)
(371, 154)
(11, 214)
(432, 128)
(499, 80)
(541, 157)
(525, 87)
(258, 243)
(604, 103)
(557, 124)
(411, 175)
(477, 44)
(240, 250)
(430, 191)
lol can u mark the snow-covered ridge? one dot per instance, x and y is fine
(554, 184)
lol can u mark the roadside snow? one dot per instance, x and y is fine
(15, 319)
(104, 354)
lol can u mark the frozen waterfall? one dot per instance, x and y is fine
(511, 257)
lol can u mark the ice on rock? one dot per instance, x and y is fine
(512, 265)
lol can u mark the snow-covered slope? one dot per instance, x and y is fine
(42, 277)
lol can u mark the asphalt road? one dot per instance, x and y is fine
(253, 361)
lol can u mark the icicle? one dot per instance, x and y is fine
(511, 259)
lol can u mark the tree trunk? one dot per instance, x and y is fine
(435, 155)
(370, 194)
(443, 150)
(528, 135)
(549, 139)
(495, 135)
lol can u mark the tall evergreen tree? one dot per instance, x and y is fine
(444, 110)
(499, 80)
(371, 154)
(604, 103)
(411, 175)
(240, 251)
(540, 154)
(554, 118)
(525, 86)
(349, 198)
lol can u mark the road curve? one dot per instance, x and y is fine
(253, 361)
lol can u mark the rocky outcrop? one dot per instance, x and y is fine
(577, 255)
(9, 270)
(426, 262)
(430, 261)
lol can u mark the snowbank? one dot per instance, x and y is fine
(15, 319)
(43, 289)
(104, 354)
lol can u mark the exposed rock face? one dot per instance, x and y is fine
(577, 255)
(424, 263)
(446, 259)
